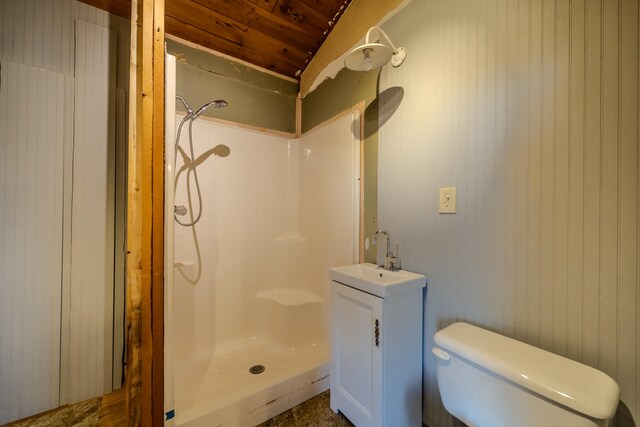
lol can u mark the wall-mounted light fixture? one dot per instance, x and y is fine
(374, 55)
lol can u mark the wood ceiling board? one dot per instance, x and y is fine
(267, 5)
(117, 7)
(307, 19)
(327, 8)
(278, 35)
(245, 12)
(282, 28)
(223, 27)
(264, 22)
(203, 38)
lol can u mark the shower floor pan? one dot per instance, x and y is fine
(229, 395)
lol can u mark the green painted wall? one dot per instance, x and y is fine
(255, 98)
(334, 96)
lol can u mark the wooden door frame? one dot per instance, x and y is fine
(145, 217)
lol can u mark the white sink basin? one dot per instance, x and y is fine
(375, 280)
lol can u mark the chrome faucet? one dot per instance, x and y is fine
(391, 262)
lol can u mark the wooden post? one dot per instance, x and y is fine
(145, 217)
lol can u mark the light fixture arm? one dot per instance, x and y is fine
(375, 54)
(399, 53)
(381, 31)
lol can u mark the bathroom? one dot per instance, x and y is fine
(530, 110)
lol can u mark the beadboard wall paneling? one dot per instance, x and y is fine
(41, 34)
(92, 215)
(67, 156)
(530, 108)
(31, 186)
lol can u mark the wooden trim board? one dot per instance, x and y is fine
(145, 217)
(245, 126)
(134, 238)
(157, 291)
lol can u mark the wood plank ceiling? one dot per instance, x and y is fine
(279, 35)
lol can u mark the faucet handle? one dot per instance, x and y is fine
(392, 263)
(394, 260)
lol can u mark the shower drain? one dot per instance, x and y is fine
(257, 369)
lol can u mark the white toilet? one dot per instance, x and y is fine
(489, 380)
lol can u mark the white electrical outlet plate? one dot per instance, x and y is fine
(447, 200)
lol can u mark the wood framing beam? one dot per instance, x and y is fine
(157, 295)
(145, 217)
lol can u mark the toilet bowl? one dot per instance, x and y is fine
(488, 380)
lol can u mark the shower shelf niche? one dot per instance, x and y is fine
(290, 296)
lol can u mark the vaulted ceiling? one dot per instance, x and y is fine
(279, 35)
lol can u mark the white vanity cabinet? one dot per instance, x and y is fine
(376, 363)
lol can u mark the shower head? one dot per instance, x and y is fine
(374, 55)
(218, 103)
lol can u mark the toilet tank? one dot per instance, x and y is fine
(489, 380)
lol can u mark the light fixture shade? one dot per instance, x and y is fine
(374, 55)
(368, 56)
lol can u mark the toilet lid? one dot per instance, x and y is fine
(567, 382)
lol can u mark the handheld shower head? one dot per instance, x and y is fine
(218, 103)
(219, 150)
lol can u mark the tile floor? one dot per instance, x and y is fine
(82, 414)
(313, 412)
(105, 411)
(91, 413)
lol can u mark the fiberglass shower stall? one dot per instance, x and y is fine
(246, 287)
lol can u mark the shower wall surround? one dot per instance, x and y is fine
(227, 253)
(262, 204)
(334, 96)
(251, 275)
(64, 73)
(530, 109)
